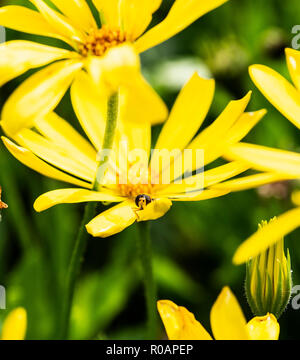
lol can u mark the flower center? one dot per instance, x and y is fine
(100, 40)
(134, 190)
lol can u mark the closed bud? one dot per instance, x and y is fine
(268, 280)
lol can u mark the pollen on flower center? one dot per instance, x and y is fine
(133, 190)
(100, 40)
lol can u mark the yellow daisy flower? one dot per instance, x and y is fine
(109, 53)
(226, 318)
(56, 150)
(286, 98)
(14, 326)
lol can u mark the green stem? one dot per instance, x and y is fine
(75, 265)
(145, 255)
(81, 241)
(111, 124)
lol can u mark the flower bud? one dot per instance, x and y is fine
(268, 280)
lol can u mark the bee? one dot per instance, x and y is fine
(142, 201)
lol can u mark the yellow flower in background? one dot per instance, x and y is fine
(109, 53)
(286, 98)
(14, 326)
(269, 279)
(56, 150)
(263, 328)
(2, 204)
(268, 235)
(226, 318)
(279, 91)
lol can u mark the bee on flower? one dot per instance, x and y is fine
(56, 150)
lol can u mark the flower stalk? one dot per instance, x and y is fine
(145, 257)
(90, 209)
(74, 267)
(111, 124)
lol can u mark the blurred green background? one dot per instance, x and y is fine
(194, 243)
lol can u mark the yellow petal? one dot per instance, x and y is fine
(119, 66)
(207, 178)
(267, 236)
(214, 140)
(78, 11)
(180, 324)
(71, 196)
(139, 102)
(113, 220)
(23, 19)
(249, 182)
(293, 61)
(90, 108)
(137, 134)
(235, 133)
(278, 91)
(58, 130)
(182, 14)
(263, 328)
(201, 195)
(109, 11)
(17, 57)
(27, 158)
(63, 26)
(216, 133)
(296, 197)
(55, 155)
(267, 159)
(183, 123)
(156, 209)
(224, 172)
(38, 95)
(15, 325)
(136, 15)
(188, 113)
(243, 125)
(227, 319)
